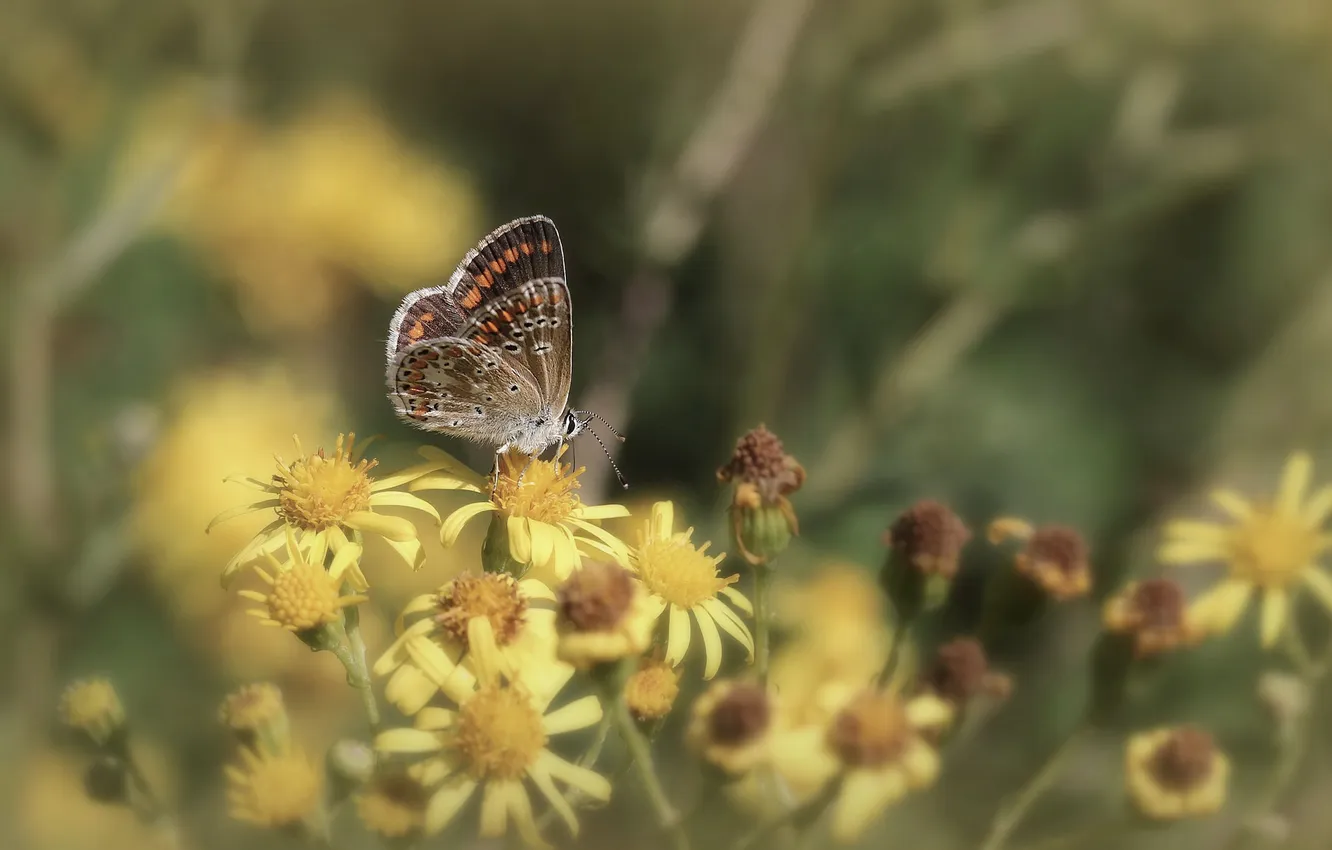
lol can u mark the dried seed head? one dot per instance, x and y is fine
(930, 537)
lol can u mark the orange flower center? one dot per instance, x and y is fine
(872, 731)
(542, 490)
(493, 595)
(318, 491)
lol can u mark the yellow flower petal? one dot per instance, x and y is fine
(1181, 552)
(396, 499)
(579, 714)
(520, 809)
(494, 810)
(445, 803)
(1196, 530)
(546, 785)
(543, 542)
(409, 689)
(453, 525)
(240, 511)
(614, 544)
(1319, 506)
(409, 550)
(1321, 585)
(1217, 610)
(662, 520)
(600, 512)
(864, 796)
(346, 557)
(677, 635)
(1294, 484)
(407, 740)
(590, 782)
(389, 527)
(1276, 605)
(731, 624)
(445, 481)
(929, 712)
(712, 650)
(1232, 503)
(738, 599)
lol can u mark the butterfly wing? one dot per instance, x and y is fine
(531, 329)
(460, 387)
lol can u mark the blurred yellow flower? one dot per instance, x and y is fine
(93, 706)
(393, 805)
(290, 214)
(274, 789)
(731, 725)
(488, 622)
(652, 689)
(1269, 548)
(682, 579)
(1175, 772)
(324, 498)
(257, 715)
(301, 595)
(878, 744)
(545, 521)
(496, 740)
(603, 616)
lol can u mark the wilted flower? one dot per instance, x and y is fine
(762, 518)
(1153, 614)
(926, 542)
(731, 725)
(961, 672)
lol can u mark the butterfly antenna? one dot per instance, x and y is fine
(609, 427)
(624, 485)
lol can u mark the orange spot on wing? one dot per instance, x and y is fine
(492, 327)
(545, 247)
(480, 339)
(417, 331)
(498, 266)
(520, 306)
(472, 298)
(508, 317)
(511, 255)
(556, 297)
(485, 279)
(526, 248)
(537, 299)
(427, 317)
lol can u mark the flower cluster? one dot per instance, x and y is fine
(872, 686)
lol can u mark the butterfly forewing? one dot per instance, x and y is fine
(531, 328)
(458, 386)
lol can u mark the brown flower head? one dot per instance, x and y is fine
(597, 597)
(1055, 558)
(393, 805)
(762, 518)
(960, 671)
(1154, 614)
(760, 460)
(731, 725)
(872, 730)
(930, 537)
(494, 596)
(1184, 759)
(1175, 772)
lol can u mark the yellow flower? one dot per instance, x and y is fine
(496, 740)
(1153, 613)
(1174, 773)
(603, 616)
(303, 595)
(682, 579)
(274, 790)
(93, 706)
(1271, 549)
(731, 725)
(257, 715)
(491, 622)
(393, 805)
(652, 689)
(324, 498)
(544, 521)
(878, 743)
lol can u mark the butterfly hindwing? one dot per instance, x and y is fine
(531, 328)
(522, 250)
(457, 386)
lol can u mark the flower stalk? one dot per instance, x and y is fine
(1011, 815)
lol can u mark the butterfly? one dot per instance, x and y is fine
(488, 356)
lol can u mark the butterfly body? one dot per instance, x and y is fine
(488, 356)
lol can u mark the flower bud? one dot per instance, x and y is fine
(1052, 566)
(651, 691)
(926, 543)
(93, 706)
(763, 520)
(603, 616)
(257, 716)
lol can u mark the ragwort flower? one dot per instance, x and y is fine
(1270, 549)
(303, 596)
(1176, 772)
(491, 622)
(682, 579)
(325, 498)
(545, 524)
(274, 789)
(496, 741)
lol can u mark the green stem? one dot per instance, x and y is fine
(806, 813)
(351, 652)
(762, 619)
(1010, 816)
(641, 754)
(900, 626)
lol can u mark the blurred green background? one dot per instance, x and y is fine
(1066, 259)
